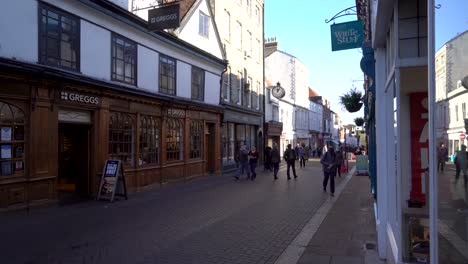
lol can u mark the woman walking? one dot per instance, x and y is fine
(253, 159)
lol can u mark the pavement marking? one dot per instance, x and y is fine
(294, 251)
(453, 238)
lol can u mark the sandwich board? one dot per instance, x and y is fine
(112, 181)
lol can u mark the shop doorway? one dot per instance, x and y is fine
(211, 148)
(73, 182)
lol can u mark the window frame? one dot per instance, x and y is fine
(199, 88)
(176, 138)
(43, 56)
(203, 24)
(150, 140)
(169, 77)
(114, 38)
(196, 139)
(130, 144)
(15, 142)
(228, 24)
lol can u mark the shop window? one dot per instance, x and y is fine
(167, 75)
(150, 130)
(198, 84)
(12, 140)
(124, 59)
(59, 38)
(196, 136)
(228, 143)
(174, 139)
(121, 133)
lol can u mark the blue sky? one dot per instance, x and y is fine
(300, 29)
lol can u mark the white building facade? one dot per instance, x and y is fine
(105, 88)
(292, 74)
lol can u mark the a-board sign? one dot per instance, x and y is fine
(362, 165)
(112, 181)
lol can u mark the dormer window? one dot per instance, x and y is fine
(204, 26)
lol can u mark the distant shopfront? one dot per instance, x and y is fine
(237, 129)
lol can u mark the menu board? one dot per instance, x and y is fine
(112, 179)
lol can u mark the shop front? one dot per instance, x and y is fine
(273, 132)
(57, 133)
(239, 129)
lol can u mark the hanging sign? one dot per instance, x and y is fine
(348, 35)
(164, 17)
(112, 181)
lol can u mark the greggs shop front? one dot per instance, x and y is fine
(58, 131)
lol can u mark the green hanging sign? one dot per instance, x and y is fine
(347, 35)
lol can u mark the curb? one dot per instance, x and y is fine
(294, 251)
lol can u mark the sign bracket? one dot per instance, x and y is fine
(350, 11)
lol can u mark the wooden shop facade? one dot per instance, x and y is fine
(57, 130)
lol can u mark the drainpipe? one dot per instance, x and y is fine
(222, 114)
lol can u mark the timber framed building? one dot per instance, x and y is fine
(85, 81)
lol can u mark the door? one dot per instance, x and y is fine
(73, 179)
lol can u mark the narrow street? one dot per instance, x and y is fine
(210, 220)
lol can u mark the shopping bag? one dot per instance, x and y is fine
(343, 167)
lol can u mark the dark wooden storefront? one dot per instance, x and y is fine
(64, 130)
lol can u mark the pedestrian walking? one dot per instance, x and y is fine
(296, 149)
(339, 160)
(243, 158)
(267, 164)
(328, 162)
(253, 159)
(442, 157)
(462, 162)
(301, 153)
(290, 157)
(275, 160)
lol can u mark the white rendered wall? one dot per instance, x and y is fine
(132, 33)
(19, 30)
(95, 55)
(184, 76)
(212, 86)
(148, 69)
(21, 42)
(190, 30)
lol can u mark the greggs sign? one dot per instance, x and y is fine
(164, 17)
(80, 98)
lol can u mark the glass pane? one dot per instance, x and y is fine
(451, 38)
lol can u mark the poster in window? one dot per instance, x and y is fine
(5, 152)
(6, 168)
(5, 134)
(19, 167)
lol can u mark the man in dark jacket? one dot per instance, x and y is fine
(328, 161)
(290, 157)
(275, 160)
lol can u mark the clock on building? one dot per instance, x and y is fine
(278, 91)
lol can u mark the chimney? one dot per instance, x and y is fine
(271, 45)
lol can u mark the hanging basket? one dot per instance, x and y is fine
(359, 121)
(352, 100)
(353, 107)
